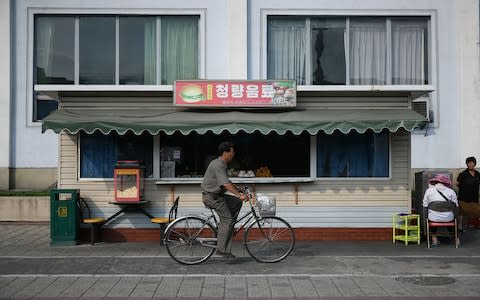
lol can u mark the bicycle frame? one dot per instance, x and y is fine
(244, 220)
(250, 216)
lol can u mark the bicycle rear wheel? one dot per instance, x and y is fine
(269, 239)
(190, 240)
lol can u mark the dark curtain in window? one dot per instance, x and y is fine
(99, 153)
(353, 155)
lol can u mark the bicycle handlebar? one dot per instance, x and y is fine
(246, 191)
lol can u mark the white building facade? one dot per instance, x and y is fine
(250, 40)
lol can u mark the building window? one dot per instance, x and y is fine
(353, 155)
(409, 51)
(112, 50)
(328, 51)
(99, 153)
(286, 49)
(348, 50)
(278, 155)
(179, 48)
(137, 50)
(150, 49)
(97, 50)
(54, 50)
(368, 51)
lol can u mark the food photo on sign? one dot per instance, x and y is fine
(192, 93)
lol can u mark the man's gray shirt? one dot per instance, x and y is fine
(215, 177)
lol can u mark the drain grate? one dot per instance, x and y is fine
(427, 280)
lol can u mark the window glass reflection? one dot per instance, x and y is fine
(137, 50)
(44, 104)
(54, 49)
(97, 50)
(328, 51)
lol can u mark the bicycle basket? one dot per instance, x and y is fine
(266, 205)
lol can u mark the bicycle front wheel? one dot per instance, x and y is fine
(190, 240)
(269, 239)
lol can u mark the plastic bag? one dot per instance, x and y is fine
(267, 205)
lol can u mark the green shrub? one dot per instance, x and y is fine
(25, 193)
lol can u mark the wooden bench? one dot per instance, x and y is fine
(95, 224)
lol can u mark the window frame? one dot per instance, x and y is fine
(307, 19)
(76, 13)
(432, 46)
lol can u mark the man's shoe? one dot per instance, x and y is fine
(225, 254)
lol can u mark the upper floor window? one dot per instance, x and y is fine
(54, 50)
(348, 50)
(112, 50)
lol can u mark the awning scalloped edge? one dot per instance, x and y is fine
(296, 121)
(331, 129)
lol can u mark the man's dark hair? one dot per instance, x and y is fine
(471, 158)
(224, 147)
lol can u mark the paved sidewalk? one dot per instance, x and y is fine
(30, 268)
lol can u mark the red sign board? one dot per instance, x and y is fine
(235, 93)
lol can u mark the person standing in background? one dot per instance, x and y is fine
(468, 187)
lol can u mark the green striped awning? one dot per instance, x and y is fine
(216, 121)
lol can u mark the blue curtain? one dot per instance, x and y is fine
(353, 155)
(97, 155)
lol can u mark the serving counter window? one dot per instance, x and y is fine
(256, 155)
(287, 156)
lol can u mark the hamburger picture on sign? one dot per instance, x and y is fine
(192, 93)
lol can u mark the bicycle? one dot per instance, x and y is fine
(192, 239)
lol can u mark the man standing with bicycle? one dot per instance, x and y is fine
(214, 186)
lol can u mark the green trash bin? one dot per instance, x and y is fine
(64, 217)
